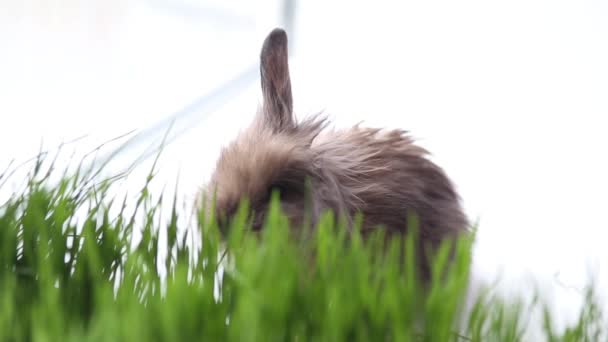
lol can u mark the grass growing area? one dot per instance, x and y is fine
(70, 270)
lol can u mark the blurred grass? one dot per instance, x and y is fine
(70, 270)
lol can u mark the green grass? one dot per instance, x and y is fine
(71, 270)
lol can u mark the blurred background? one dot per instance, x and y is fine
(510, 97)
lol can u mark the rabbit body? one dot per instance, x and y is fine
(381, 174)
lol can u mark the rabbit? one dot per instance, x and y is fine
(381, 174)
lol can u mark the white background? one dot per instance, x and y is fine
(511, 98)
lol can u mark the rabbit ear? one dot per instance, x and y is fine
(276, 84)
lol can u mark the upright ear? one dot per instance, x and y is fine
(276, 84)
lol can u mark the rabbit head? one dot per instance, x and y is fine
(274, 152)
(379, 173)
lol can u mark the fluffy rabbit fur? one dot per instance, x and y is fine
(380, 173)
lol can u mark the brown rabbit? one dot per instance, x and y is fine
(381, 174)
